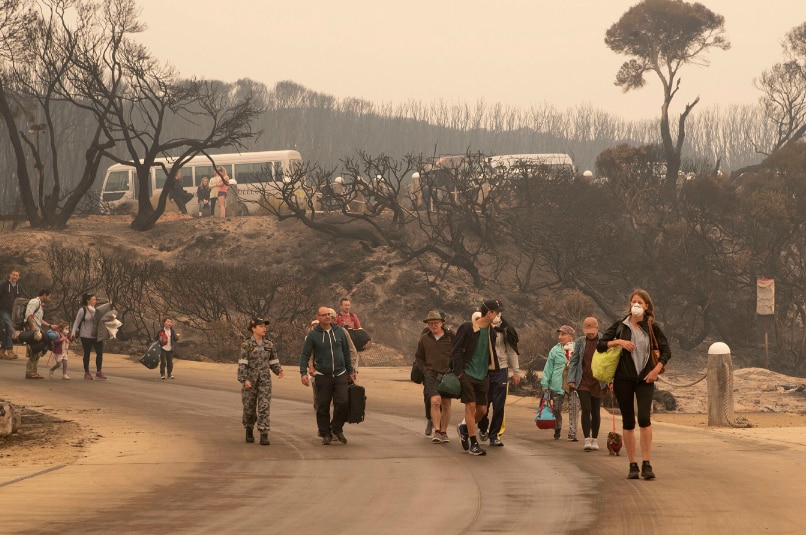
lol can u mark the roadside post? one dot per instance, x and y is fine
(720, 385)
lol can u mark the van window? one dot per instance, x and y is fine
(252, 173)
(186, 174)
(118, 181)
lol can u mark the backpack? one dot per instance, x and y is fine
(18, 312)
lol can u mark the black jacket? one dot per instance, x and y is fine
(464, 345)
(626, 367)
(7, 295)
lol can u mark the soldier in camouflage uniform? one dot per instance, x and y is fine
(257, 357)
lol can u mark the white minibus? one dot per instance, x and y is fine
(254, 172)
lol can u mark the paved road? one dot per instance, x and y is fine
(170, 458)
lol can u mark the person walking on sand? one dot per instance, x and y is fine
(61, 349)
(168, 338)
(589, 390)
(473, 356)
(9, 291)
(433, 356)
(328, 344)
(86, 328)
(257, 361)
(558, 360)
(38, 343)
(636, 373)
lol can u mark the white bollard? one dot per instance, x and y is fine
(720, 385)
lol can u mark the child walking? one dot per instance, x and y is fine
(61, 349)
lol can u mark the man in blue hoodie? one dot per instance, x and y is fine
(334, 372)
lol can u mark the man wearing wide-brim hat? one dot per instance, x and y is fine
(433, 356)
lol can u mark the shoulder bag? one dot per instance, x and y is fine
(603, 365)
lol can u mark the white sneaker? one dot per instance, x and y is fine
(594, 445)
(66, 377)
(162, 377)
(587, 446)
(50, 374)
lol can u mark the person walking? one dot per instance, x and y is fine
(433, 356)
(559, 358)
(167, 338)
(9, 291)
(331, 351)
(38, 344)
(473, 356)
(257, 360)
(636, 373)
(506, 346)
(589, 390)
(86, 328)
(61, 349)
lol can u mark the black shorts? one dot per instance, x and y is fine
(430, 383)
(474, 390)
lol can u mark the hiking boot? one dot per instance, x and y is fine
(443, 437)
(462, 430)
(587, 446)
(66, 377)
(475, 449)
(557, 434)
(483, 436)
(429, 428)
(646, 471)
(88, 376)
(100, 375)
(437, 438)
(633, 471)
(326, 442)
(264, 439)
(250, 435)
(594, 444)
(496, 442)
(341, 438)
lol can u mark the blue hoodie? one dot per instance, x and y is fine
(331, 351)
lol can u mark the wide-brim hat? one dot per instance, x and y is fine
(433, 315)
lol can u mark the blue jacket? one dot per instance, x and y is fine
(331, 351)
(575, 367)
(553, 371)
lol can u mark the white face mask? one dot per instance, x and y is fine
(637, 311)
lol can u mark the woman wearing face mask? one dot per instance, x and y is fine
(636, 374)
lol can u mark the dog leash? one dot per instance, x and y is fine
(613, 407)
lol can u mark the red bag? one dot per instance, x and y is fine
(545, 419)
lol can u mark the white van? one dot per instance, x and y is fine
(253, 172)
(559, 163)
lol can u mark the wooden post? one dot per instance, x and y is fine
(720, 385)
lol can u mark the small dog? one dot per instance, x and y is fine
(613, 443)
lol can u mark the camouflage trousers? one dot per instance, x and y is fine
(256, 401)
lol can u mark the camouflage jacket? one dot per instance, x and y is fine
(256, 360)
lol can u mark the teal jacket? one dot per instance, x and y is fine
(553, 371)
